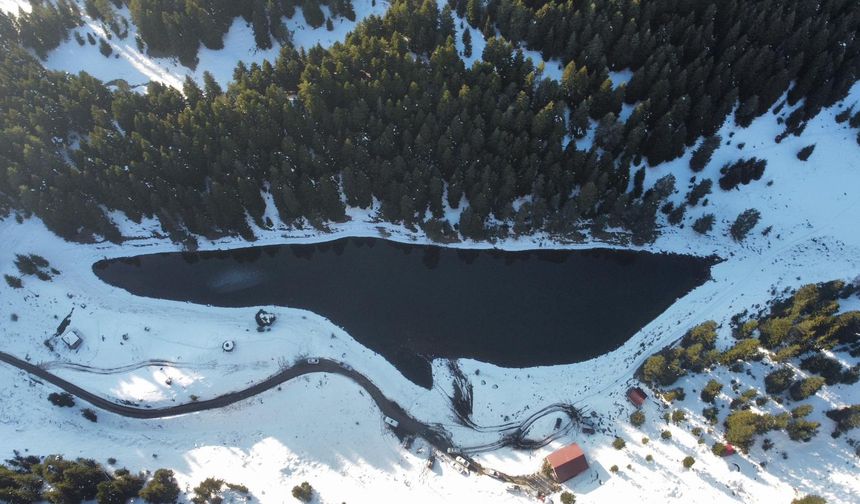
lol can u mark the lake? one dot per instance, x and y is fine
(412, 303)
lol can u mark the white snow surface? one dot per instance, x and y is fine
(323, 429)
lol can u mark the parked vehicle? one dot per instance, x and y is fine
(462, 461)
(313, 360)
(461, 468)
(392, 422)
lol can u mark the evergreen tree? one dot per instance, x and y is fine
(467, 43)
(260, 25)
(744, 224)
(474, 12)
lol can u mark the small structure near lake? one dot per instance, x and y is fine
(264, 318)
(72, 338)
(636, 396)
(567, 462)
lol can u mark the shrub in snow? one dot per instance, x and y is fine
(121, 489)
(711, 391)
(89, 415)
(695, 353)
(70, 480)
(704, 224)
(676, 216)
(846, 418)
(313, 14)
(676, 394)
(13, 281)
(567, 498)
(718, 449)
(744, 224)
(689, 461)
(801, 411)
(809, 499)
(62, 399)
(209, 491)
(805, 152)
(618, 443)
(806, 387)
(303, 492)
(637, 418)
(30, 264)
(743, 350)
(699, 191)
(778, 381)
(802, 430)
(741, 428)
(666, 434)
(546, 469)
(613, 469)
(161, 489)
(649, 457)
(105, 48)
(678, 416)
(657, 369)
(703, 152)
(741, 172)
(17, 487)
(827, 367)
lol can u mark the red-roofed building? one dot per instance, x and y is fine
(567, 462)
(729, 450)
(636, 396)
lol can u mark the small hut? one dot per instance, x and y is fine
(72, 339)
(567, 462)
(636, 396)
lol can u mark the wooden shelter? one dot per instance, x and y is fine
(567, 462)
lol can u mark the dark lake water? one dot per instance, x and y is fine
(411, 303)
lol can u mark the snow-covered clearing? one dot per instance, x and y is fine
(323, 429)
(128, 63)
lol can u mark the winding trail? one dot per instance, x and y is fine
(124, 369)
(513, 434)
(408, 424)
